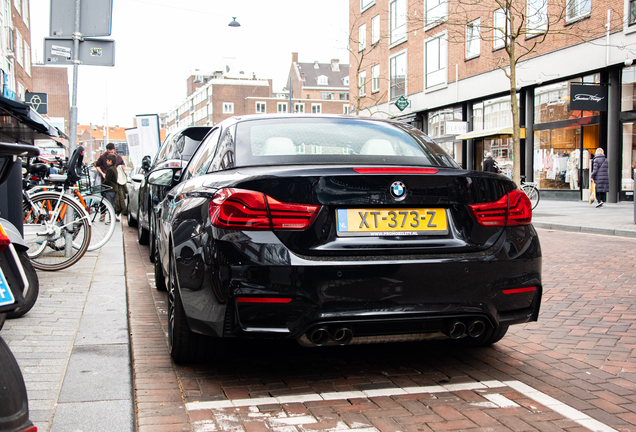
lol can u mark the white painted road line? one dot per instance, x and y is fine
(494, 398)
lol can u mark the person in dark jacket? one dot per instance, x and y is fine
(111, 180)
(600, 176)
(489, 164)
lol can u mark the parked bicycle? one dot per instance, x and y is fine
(532, 191)
(57, 228)
(100, 210)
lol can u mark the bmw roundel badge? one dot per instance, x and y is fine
(398, 190)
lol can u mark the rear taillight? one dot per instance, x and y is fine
(249, 210)
(513, 209)
(396, 170)
(4, 239)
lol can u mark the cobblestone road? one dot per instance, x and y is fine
(574, 370)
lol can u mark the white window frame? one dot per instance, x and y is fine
(316, 108)
(299, 107)
(17, 4)
(281, 107)
(25, 12)
(393, 60)
(629, 23)
(19, 53)
(500, 24)
(436, 78)
(375, 79)
(362, 37)
(323, 80)
(397, 22)
(261, 107)
(366, 4)
(362, 83)
(577, 9)
(537, 17)
(27, 58)
(473, 39)
(436, 12)
(375, 29)
(228, 107)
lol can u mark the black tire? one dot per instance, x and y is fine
(152, 245)
(184, 345)
(489, 337)
(132, 222)
(34, 287)
(160, 280)
(142, 233)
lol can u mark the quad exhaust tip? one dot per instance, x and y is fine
(476, 328)
(457, 330)
(318, 336)
(342, 336)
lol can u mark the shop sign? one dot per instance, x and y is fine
(402, 103)
(37, 101)
(456, 127)
(588, 97)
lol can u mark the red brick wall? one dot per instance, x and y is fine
(488, 60)
(236, 94)
(18, 23)
(54, 82)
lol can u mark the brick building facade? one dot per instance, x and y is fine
(22, 47)
(54, 82)
(446, 61)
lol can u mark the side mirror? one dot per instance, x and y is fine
(162, 177)
(145, 163)
(137, 178)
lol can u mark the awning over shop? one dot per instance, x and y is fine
(19, 123)
(503, 131)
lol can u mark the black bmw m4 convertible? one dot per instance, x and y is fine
(336, 230)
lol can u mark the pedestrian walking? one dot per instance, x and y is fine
(489, 164)
(101, 168)
(600, 176)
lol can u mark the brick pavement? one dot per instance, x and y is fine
(573, 370)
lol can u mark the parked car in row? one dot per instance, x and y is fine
(336, 230)
(175, 152)
(135, 177)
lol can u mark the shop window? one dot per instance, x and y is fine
(629, 157)
(437, 121)
(628, 89)
(552, 102)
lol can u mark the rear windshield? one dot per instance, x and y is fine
(300, 140)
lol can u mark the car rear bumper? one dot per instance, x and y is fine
(233, 288)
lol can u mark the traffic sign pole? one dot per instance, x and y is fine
(76, 40)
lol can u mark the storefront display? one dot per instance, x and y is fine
(563, 139)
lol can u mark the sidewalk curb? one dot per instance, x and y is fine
(583, 229)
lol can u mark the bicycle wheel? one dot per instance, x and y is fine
(51, 227)
(102, 216)
(533, 194)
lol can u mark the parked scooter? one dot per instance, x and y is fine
(18, 290)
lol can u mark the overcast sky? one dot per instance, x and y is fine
(159, 43)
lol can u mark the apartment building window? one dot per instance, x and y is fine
(323, 80)
(375, 30)
(299, 107)
(499, 30)
(537, 21)
(281, 107)
(577, 9)
(397, 72)
(18, 5)
(228, 108)
(436, 12)
(362, 83)
(436, 60)
(316, 108)
(632, 12)
(345, 109)
(473, 39)
(327, 96)
(25, 12)
(18, 47)
(366, 4)
(261, 107)
(375, 79)
(27, 58)
(344, 96)
(397, 21)
(362, 37)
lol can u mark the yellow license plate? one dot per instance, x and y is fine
(402, 221)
